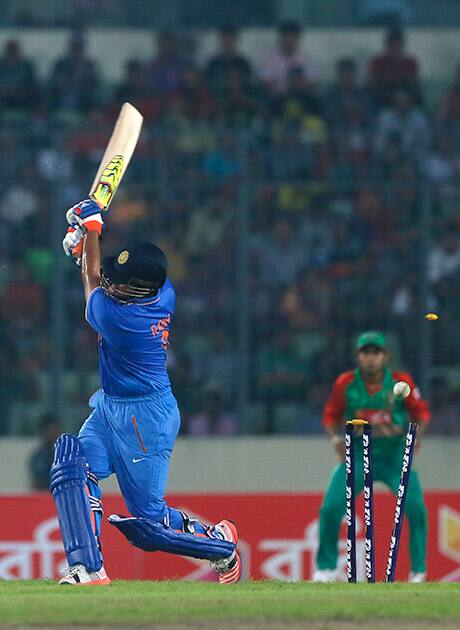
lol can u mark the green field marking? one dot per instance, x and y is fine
(44, 602)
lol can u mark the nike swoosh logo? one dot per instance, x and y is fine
(137, 460)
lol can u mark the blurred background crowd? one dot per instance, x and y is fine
(295, 213)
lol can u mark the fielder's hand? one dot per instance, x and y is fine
(86, 215)
(338, 442)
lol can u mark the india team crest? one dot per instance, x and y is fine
(123, 257)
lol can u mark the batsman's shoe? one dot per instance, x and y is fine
(229, 569)
(80, 576)
(416, 578)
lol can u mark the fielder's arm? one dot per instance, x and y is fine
(91, 263)
(417, 407)
(335, 433)
(333, 414)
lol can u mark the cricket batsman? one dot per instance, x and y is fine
(134, 420)
(367, 393)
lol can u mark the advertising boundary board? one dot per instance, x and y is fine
(279, 535)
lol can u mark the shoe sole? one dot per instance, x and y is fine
(234, 575)
(103, 582)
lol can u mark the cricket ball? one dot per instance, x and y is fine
(401, 389)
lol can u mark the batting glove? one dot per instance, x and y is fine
(73, 244)
(86, 215)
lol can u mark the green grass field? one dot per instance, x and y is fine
(243, 605)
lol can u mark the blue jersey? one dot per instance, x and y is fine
(133, 338)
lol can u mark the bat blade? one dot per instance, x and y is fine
(117, 155)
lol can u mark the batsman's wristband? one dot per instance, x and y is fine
(93, 223)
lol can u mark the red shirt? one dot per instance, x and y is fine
(335, 406)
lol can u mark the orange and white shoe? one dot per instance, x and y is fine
(80, 576)
(229, 569)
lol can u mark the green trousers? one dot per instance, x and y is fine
(388, 471)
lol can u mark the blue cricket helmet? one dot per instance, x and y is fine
(141, 267)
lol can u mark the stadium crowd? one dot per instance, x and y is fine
(329, 177)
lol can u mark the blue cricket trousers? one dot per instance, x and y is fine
(133, 438)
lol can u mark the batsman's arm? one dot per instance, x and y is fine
(91, 263)
(85, 219)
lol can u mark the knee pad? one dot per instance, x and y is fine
(151, 535)
(69, 489)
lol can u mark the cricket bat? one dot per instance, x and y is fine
(117, 155)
